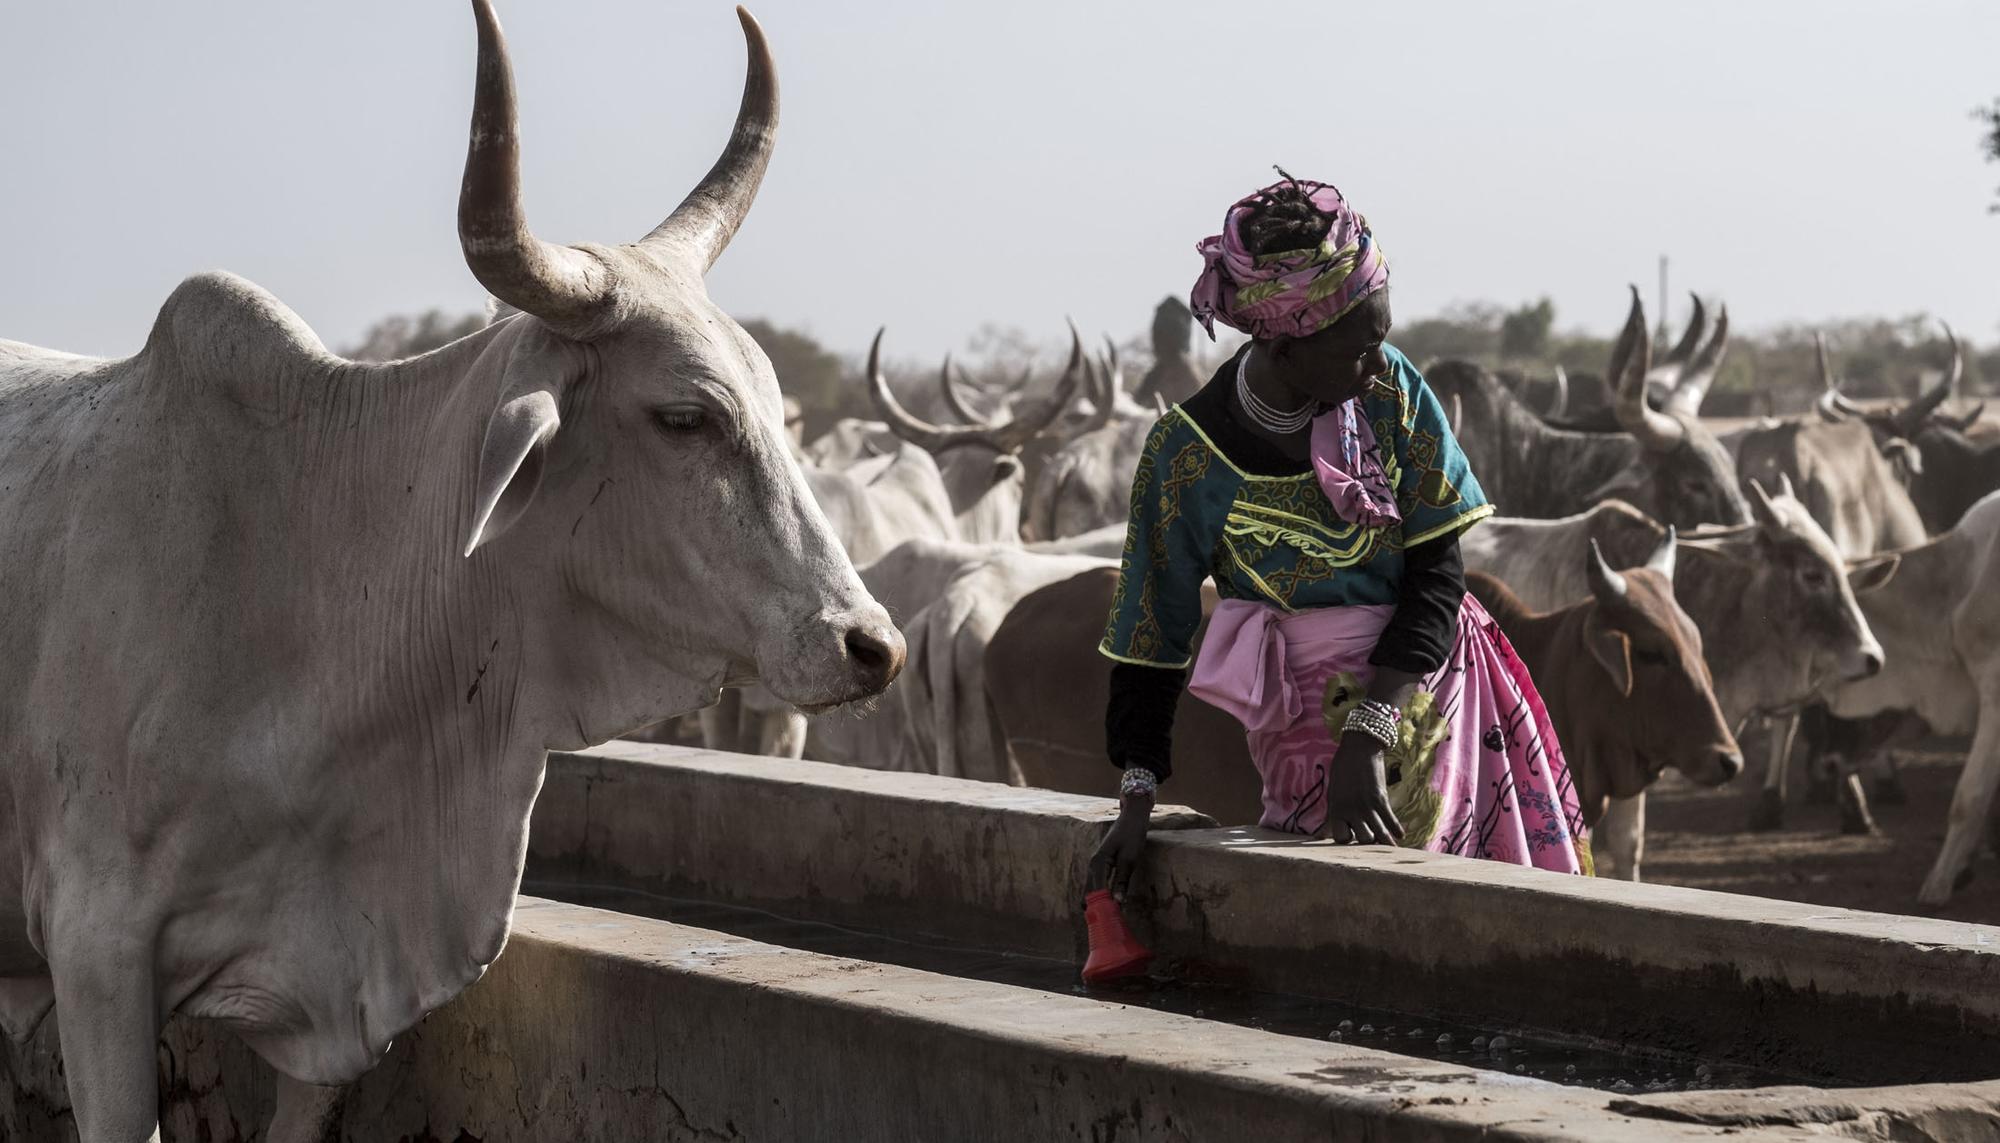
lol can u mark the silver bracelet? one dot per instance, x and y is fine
(1138, 780)
(1377, 720)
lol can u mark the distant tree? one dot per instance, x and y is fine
(1525, 332)
(808, 372)
(1989, 122)
(1469, 330)
(400, 335)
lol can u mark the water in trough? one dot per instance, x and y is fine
(1496, 1049)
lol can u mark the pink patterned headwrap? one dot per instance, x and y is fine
(1295, 293)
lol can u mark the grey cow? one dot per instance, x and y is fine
(289, 637)
(1665, 461)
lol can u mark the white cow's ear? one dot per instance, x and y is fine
(510, 463)
(1613, 651)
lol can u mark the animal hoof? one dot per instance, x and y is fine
(1769, 812)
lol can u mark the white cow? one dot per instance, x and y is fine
(1939, 620)
(981, 464)
(874, 505)
(289, 637)
(949, 598)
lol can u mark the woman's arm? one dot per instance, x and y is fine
(1149, 637)
(1416, 642)
(1138, 734)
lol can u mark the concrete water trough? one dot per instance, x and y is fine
(607, 1025)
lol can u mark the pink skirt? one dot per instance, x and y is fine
(1493, 785)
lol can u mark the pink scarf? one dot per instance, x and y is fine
(1349, 466)
(1294, 293)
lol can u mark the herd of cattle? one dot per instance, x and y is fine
(1823, 571)
(291, 636)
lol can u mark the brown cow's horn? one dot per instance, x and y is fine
(1826, 383)
(565, 287)
(1605, 584)
(1699, 374)
(1662, 559)
(1827, 405)
(698, 230)
(1965, 423)
(1630, 360)
(1561, 406)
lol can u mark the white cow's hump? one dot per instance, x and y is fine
(216, 336)
(219, 328)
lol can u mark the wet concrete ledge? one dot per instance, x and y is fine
(601, 1026)
(1826, 994)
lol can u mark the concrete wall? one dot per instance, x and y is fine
(1833, 994)
(604, 1027)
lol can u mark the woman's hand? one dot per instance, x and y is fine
(1357, 795)
(1118, 855)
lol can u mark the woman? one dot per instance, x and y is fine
(1316, 479)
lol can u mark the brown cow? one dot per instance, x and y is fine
(1048, 686)
(1627, 687)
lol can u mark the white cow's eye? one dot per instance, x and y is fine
(679, 418)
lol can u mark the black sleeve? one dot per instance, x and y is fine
(1139, 719)
(1419, 636)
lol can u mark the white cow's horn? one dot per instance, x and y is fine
(565, 287)
(701, 226)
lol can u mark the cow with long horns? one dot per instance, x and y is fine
(1663, 460)
(981, 463)
(290, 636)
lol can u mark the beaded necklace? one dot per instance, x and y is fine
(1260, 411)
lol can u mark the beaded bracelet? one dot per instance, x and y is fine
(1138, 780)
(1377, 720)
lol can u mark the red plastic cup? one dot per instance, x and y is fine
(1114, 952)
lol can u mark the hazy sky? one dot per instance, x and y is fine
(943, 164)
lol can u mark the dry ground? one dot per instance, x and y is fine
(1697, 838)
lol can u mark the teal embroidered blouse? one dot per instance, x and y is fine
(1277, 539)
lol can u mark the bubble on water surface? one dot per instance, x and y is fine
(1499, 1044)
(1368, 1029)
(1479, 1041)
(1347, 1025)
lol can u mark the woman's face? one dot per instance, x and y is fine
(1337, 362)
